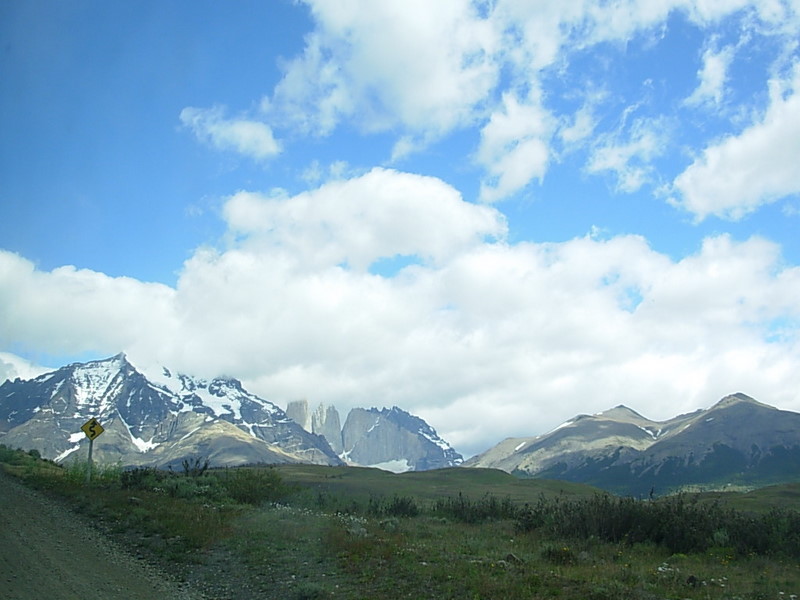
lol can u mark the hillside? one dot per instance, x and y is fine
(737, 441)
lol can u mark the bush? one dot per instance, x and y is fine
(476, 511)
(76, 470)
(398, 506)
(253, 486)
(9, 455)
(195, 467)
(142, 478)
(675, 523)
(19, 456)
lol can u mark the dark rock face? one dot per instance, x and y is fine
(396, 440)
(322, 421)
(390, 439)
(325, 422)
(151, 422)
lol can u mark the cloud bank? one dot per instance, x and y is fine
(482, 337)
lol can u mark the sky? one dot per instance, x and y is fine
(495, 215)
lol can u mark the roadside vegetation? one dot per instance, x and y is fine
(302, 532)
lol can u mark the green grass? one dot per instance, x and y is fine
(304, 532)
(360, 484)
(782, 496)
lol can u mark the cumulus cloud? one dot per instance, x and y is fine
(739, 173)
(582, 125)
(69, 310)
(246, 137)
(514, 146)
(417, 64)
(472, 63)
(483, 338)
(712, 77)
(381, 214)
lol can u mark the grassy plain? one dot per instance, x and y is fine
(304, 532)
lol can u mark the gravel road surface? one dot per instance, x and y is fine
(48, 552)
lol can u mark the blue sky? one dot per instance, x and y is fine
(495, 215)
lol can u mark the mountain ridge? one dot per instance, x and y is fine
(148, 422)
(736, 440)
(162, 417)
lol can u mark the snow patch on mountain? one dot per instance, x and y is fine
(94, 382)
(395, 466)
(151, 421)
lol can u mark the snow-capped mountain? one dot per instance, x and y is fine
(736, 441)
(159, 420)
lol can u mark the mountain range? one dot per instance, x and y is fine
(163, 419)
(738, 441)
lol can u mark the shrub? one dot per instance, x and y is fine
(675, 523)
(142, 478)
(9, 455)
(476, 511)
(195, 467)
(76, 470)
(398, 506)
(253, 486)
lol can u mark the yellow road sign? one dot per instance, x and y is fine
(92, 428)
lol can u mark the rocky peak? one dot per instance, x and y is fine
(297, 411)
(735, 399)
(621, 412)
(152, 421)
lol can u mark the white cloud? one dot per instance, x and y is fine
(418, 64)
(630, 158)
(358, 221)
(422, 70)
(69, 310)
(484, 339)
(12, 366)
(712, 76)
(742, 172)
(581, 127)
(247, 137)
(514, 146)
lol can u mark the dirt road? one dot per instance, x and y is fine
(48, 552)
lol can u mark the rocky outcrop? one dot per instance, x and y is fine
(324, 421)
(394, 440)
(297, 411)
(389, 439)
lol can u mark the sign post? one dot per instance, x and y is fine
(92, 429)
